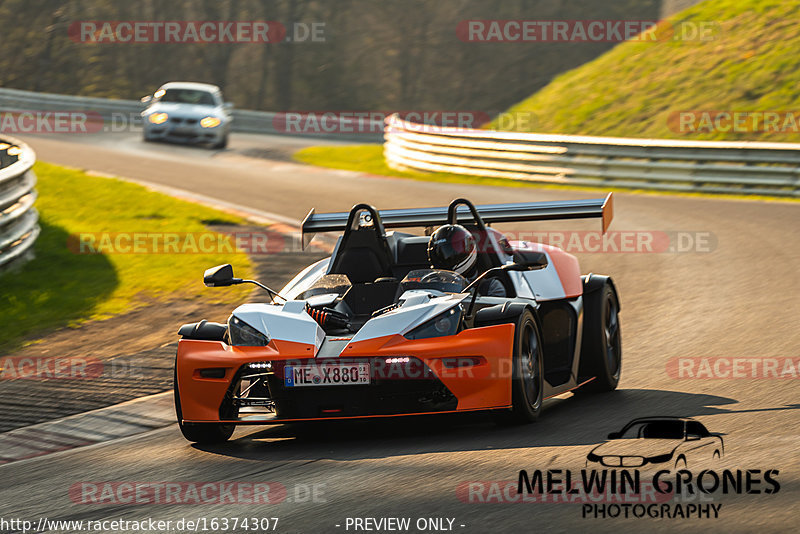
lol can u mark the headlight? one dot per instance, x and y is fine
(445, 324)
(660, 459)
(158, 118)
(209, 122)
(244, 335)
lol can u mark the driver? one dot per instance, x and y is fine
(452, 247)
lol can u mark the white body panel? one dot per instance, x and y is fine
(544, 283)
(289, 322)
(418, 308)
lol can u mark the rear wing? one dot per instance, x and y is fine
(602, 208)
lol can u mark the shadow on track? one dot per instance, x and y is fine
(565, 422)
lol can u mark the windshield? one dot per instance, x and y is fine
(655, 430)
(330, 283)
(188, 96)
(437, 279)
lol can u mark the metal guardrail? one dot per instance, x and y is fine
(111, 110)
(19, 226)
(704, 166)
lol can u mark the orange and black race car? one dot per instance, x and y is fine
(375, 331)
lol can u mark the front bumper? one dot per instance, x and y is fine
(183, 131)
(466, 372)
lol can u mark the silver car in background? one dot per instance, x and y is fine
(187, 112)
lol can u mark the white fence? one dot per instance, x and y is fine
(707, 166)
(18, 218)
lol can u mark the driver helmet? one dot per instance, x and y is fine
(452, 247)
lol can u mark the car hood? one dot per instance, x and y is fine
(291, 323)
(636, 447)
(190, 111)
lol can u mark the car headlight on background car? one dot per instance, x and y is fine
(209, 122)
(158, 118)
(244, 335)
(444, 324)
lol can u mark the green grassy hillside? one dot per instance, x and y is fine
(639, 88)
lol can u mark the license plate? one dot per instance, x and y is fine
(329, 374)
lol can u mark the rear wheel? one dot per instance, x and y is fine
(199, 432)
(601, 347)
(527, 382)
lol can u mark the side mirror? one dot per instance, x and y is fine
(219, 276)
(228, 106)
(146, 99)
(614, 435)
(530, 260)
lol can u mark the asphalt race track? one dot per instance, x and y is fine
(734, 296)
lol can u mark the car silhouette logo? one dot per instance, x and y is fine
(658, 441)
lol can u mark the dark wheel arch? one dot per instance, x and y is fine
(198, 432)
(595, 282)
(601, 344)
(507, 312)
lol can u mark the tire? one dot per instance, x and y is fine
(601, 347)
(527, 383)
(204, 433)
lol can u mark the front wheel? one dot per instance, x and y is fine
(601, 347)
(222, 143)
(527, 383)
(199, 432)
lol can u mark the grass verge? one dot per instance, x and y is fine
(61, 287)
